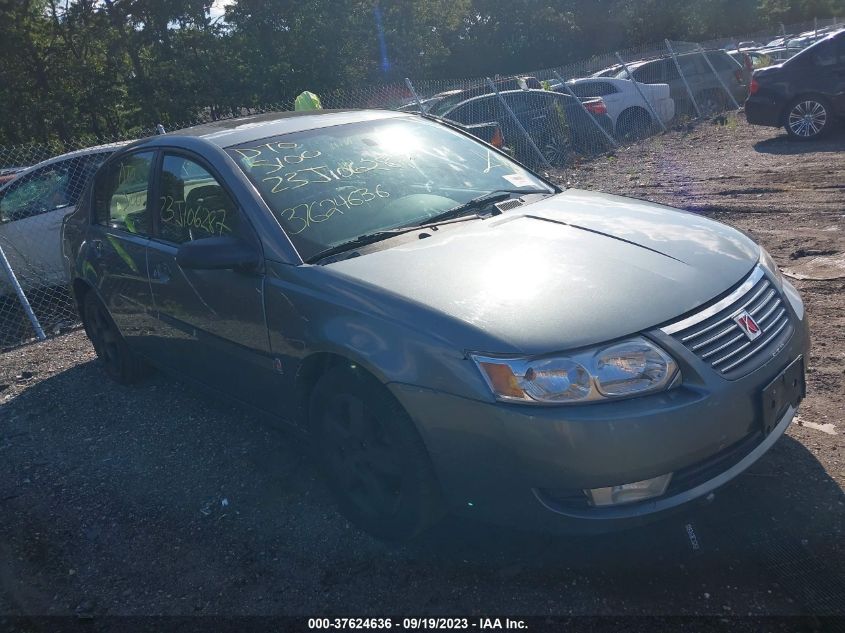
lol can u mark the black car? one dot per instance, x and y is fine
(557, 123)
(444, 101)
(805, 93)
(706, 87)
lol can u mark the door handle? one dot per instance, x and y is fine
(161, 272)
(98, 248)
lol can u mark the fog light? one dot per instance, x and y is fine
(628, 493)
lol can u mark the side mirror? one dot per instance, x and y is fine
(217, 253)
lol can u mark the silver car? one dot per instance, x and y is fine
(450, 331)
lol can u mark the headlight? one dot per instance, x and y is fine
(632, 367)
(770, 266)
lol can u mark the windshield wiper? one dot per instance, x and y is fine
(454, 214)
(478, 203)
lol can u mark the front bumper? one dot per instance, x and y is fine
(528, 466)
(761, 110)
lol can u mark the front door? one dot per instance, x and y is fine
(211, 322)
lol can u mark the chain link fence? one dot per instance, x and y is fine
(546, 119)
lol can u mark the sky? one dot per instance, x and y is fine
(219, 7)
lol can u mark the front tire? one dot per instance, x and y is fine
(807, 118)
(120, 363)
(372, 456)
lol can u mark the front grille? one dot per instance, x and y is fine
(716, 338)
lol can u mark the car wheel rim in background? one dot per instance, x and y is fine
(807, 118)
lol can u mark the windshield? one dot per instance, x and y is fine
(331, 185)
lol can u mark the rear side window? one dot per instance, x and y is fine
(824, 54)
(120, 194)
(594, 89)
(483, 110)
(722, 61)
(650, 73)
(691, 65)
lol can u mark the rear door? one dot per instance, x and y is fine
(838, 79)
(211, 324)
(533, 110)
(820, 70)
(116, 261)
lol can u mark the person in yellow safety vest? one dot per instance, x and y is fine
(307, 101)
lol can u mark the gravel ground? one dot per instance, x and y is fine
(156, 499)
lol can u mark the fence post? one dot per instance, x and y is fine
(609, 138)
(518, 123)
(415, 95)
(21, 296)
(648, 103)
(721, 83)
(684, 79)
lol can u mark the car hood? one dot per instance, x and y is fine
(570, 270)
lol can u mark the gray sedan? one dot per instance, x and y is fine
(450, 331)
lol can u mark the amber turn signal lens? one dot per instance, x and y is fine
(502, 380)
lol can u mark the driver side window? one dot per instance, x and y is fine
(193, 205)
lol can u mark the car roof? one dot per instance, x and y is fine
(489, 95)
(229, 132)
(591, 80)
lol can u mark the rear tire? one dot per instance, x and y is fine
(121, 364)
(712, 102)
(556, 150)
(634, 124)
(808, 118)
(372, 456)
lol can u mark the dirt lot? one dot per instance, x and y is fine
(157, 500)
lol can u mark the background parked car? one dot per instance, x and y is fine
(32, 207)
(430, 102)
(752, 59)
(610, 71)
(706, 88)
(7, 174)
(804, 94)
(631, 118)
(556, 122)
(780, 54)
(449, 99)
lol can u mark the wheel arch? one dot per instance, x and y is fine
(79, 288)
(803, 95)
(631, 111)
(315, 366)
